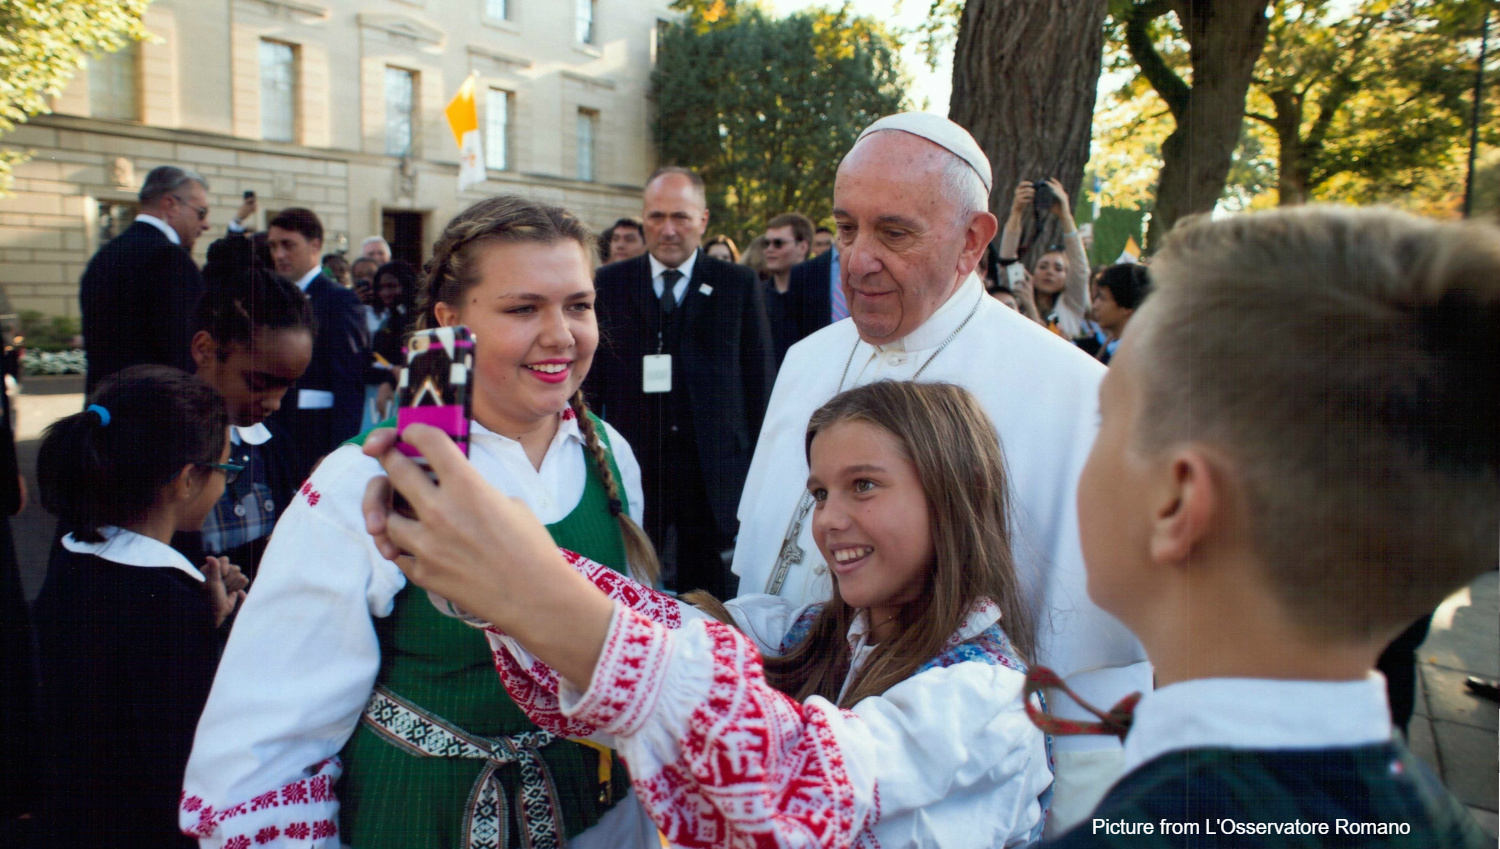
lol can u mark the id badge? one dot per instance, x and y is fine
(656, 374)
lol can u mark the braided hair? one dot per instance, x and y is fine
(453, 271)
(638, 549)
(241, 305)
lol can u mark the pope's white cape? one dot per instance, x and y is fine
(1042, 394)
(471, 170)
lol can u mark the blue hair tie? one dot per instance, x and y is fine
(102, 413)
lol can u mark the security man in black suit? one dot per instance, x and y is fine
(326, 406)
(684, 370)
(139, 291)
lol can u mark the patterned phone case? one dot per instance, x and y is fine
(434, 388)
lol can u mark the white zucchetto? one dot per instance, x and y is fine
(941, 132)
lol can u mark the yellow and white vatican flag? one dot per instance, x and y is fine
(1132, 252)
(463, 119)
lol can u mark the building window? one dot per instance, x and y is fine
(278, 84)
(586, 124)
(584, 14)
(497, 9)
(400, 90)
(497, 129)
(114, 89)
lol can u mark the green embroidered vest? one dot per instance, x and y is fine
(392, 799)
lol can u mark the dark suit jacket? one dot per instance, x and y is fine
(724, 364)
(138, 296)
(341, 350)
(807, 293)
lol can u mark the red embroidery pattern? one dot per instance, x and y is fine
(658, 607)
(535, 692)
(317, 789)
(568, 414)
(312, 495)
(755, 768)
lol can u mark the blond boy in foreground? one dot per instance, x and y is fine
(1297, 457)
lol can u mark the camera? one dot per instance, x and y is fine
(1044, 199)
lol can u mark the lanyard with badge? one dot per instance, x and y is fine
(790, 552)
(656, 369)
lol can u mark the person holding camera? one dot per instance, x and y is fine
(1060, 277)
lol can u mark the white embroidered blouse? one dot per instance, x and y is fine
(303, 655)
(947, 758)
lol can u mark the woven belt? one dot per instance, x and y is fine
(408, 727)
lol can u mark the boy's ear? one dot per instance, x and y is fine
(204, 348)
(1193, 504)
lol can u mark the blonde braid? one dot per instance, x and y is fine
(639, 551)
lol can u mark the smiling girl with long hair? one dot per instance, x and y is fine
(337, 667)
(893, 714)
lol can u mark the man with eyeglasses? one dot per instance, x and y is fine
(788, 239)
(139, 291)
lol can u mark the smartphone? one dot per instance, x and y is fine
(1016, 274)
(249, 195)
(434, 389)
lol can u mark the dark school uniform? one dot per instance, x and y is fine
(128, 652)
(1261, 763)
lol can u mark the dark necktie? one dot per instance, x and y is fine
(669, 280)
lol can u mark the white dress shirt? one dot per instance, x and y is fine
(1258, 713)
(164, 227)
(680, 287)
(307, 279)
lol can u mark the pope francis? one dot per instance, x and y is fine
(911, 210)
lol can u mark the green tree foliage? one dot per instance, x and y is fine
(1367, 105)
(42, 44)
(1355, 102)
(766, 108)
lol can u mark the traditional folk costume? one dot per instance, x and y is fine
(128, 650)
(337, 667)
(946, 758)
(1239, 762)
(1042, 394)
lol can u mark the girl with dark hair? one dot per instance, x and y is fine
(337, 667)
(390, 316)
(127, 626)
(254, 339)
(893, 714)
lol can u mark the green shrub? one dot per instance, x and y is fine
(48, 333)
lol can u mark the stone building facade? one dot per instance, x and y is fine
(336, 105)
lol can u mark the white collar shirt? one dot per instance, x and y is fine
(1258, 713)
(164, 227)
(307, 279)
(902, 358)
(129, 548)
(256, 434)
(680, 287)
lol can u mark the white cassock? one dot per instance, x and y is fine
(1043, 395)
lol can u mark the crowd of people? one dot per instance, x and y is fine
(850, 539)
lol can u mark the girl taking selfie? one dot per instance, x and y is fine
(891, 715)
(338, 669)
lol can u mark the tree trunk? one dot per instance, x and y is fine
(1025, 75)
(1225, 38)
(1293, 158)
